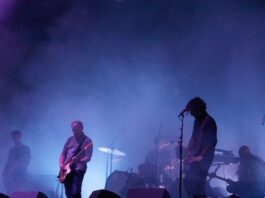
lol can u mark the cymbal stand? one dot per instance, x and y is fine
(157, 176)
(109, 161)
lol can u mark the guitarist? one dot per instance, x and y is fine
(15, 170)
(200, 151)
(250, 172)
(76, 153)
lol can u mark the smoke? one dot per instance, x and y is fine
(123, 68)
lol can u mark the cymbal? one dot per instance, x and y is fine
(111, 151)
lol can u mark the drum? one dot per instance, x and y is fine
(148, 174)
(119, 182)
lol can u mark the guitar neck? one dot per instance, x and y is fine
(80, 152)
(221, 178)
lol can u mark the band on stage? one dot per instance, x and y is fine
(161, 167)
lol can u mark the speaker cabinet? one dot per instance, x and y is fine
(28, 195)
(103, 194)
(148, 193)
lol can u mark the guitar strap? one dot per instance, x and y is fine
(79, 147)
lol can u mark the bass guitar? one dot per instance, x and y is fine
(66, 169)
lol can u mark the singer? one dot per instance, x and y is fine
(200, 151)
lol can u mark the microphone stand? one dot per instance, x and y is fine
(180, 154)
(157, 156)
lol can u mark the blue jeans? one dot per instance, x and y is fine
(73, 184)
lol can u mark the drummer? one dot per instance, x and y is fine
(157, 161)
(161, 155)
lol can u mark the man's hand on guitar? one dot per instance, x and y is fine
(61, 166)
(192, 159)
(74, 159)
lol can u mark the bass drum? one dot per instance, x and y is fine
(119, 182)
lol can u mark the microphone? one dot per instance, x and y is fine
(183, 111)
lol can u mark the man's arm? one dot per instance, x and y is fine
(210, 137)
(84, 159)
(63, 154)
(189, 151)
(61, 160)
(27, 157)
(191, 143)
(88, 153)
(9, 164)
(205, 149)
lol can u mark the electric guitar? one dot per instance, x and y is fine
(189, 161)
(250, 190)
(66, 169)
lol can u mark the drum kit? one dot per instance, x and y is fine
(161, 172)
(110, 153)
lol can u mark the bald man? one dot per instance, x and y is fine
(77, 152)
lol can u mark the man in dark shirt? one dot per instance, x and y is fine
(200, 151)
(15, 170)
(251, 171)
(77, 152)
